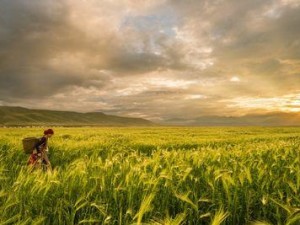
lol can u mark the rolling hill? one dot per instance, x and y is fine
(19, 116)
(268, 119)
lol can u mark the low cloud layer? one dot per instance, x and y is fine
(156, 59)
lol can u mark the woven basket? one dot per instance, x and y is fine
(29, 144)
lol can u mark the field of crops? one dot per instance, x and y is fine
(157, 175)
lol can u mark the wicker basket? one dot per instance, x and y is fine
(29, 144)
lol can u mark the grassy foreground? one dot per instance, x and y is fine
(154, 176)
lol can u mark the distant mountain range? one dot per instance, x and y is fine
(269, 119)
(19, 116)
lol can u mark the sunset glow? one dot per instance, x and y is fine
(152, 59)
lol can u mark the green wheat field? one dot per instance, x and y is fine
(156, 175)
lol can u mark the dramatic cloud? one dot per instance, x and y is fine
(153, 59)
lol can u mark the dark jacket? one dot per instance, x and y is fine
(42, 143)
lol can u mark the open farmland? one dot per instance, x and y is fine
(156, 175)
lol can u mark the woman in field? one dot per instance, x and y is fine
(39, 157)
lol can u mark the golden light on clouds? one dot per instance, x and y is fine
(156, 59)
(286, 103)
(235, 79)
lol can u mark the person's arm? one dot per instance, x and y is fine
(45, 157)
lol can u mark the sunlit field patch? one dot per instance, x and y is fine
(159, 175)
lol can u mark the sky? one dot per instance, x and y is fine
(154, 59)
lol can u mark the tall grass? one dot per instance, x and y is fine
(154, 176)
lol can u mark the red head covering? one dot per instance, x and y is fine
(49, 131)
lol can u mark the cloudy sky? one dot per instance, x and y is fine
(156, 59)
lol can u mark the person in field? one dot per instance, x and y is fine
(39, 157)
